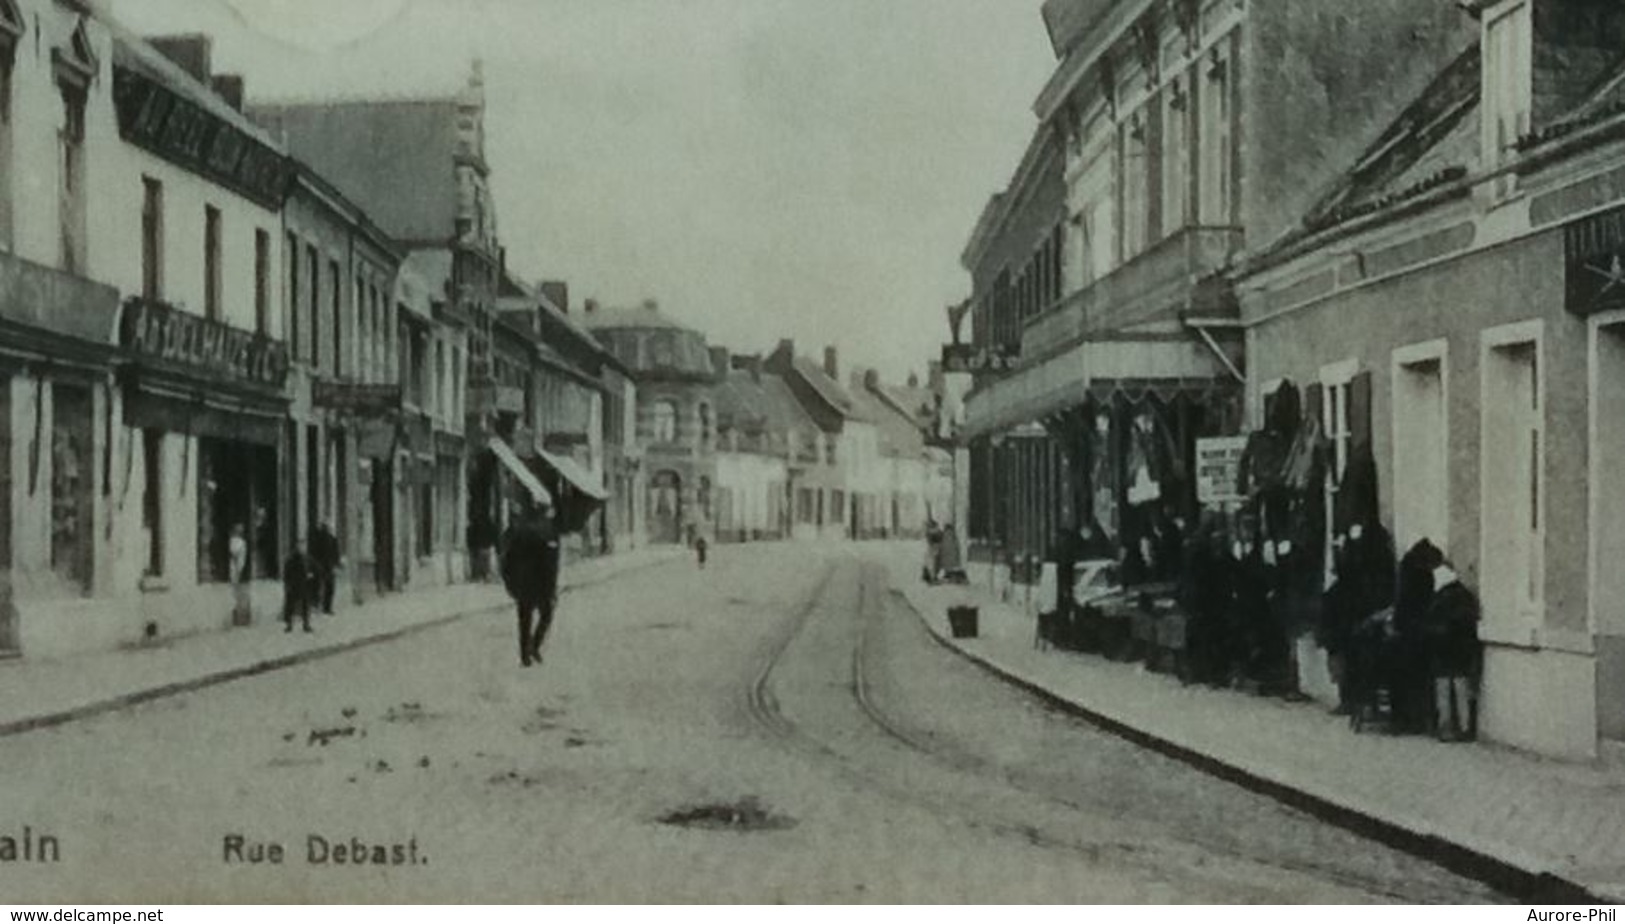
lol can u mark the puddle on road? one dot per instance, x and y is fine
(745, 815)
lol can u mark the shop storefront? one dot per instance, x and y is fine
(56, 354)
(204, 407)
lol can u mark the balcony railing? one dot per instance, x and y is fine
(1139, 291)
(50, 299)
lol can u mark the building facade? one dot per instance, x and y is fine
(1450, 302)
(676, 422)
(1171, 135)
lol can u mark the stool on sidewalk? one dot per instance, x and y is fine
(963, 621)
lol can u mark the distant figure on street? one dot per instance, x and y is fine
(298, 583)
(324, 551)
(702, 541)
(948, 560)
(242, 611)
(931, 570)
(530, 572)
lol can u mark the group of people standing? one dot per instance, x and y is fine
(309, 576)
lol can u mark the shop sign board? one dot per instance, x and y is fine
(370, 400)
(1218, 470)
(156, 118)
(1594, 251)
(161, 331)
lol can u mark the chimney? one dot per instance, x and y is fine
(871, 380)
(913, 380)
(756, 369)
(590, 305)
(719, 361)
(229, 87)
(937, 381)
(558, 293)
(832, 365)
(192, 53)
(650, 304)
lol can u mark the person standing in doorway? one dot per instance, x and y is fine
(702, 540)
(298, 582)
(530, 572)
(242, 611)
(324, 550)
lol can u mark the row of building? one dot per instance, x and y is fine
(224, 315)
(1397, 226)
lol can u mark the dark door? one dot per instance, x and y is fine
(383, 524)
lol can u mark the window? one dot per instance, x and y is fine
(1508, 82)
(336, 284)
(440, 391)
(363, 358)
(152, 239)
(71, 197)
(1175, 155)
(1136, 189)
(829, 450)
(1216, 142)
(663, 422)
(290, 256)
(7, 58)
(1512, 458)
(262, 281)
(211, 262)
(152, 499)
(705, 424)
(313, 259)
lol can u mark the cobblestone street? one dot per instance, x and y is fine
(775, 727)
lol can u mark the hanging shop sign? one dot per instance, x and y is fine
(1595, 264)
(965, 357)
(1218, 470)
(162, 331)
(154, 117)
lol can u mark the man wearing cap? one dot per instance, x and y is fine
(530, 572)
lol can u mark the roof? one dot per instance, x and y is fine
(1435, 142)
(827, 389)
(759, 405)
(631, 319)
(900, 435)
(375, 149)
(132, 52)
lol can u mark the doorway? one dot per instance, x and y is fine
(1608, 522)
(1421, 447)
(383, 525)
(665, 507)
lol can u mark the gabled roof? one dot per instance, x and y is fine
(394, 158)
(900, 435)
(827, 389)
(1435, 142)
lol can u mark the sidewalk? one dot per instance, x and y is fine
(41, 693)
(1528, 825)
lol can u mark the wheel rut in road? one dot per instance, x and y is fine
(870, 727)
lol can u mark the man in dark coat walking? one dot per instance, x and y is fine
(530, 572)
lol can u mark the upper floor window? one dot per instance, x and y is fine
(1136, 188)
(262, 281)
(1216, 144)
(1175, 154)
(11, 32)
(211, 262)
(663, 422)
(1508, 78)
(71, 197)
(705, 424)
(152, 239)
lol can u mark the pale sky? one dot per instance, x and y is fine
(765, 168)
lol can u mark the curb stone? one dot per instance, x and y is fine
(1516, 880)
(227, 675)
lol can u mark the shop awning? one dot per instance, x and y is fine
(572, 472)
(1140, 365)
(521, 472)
